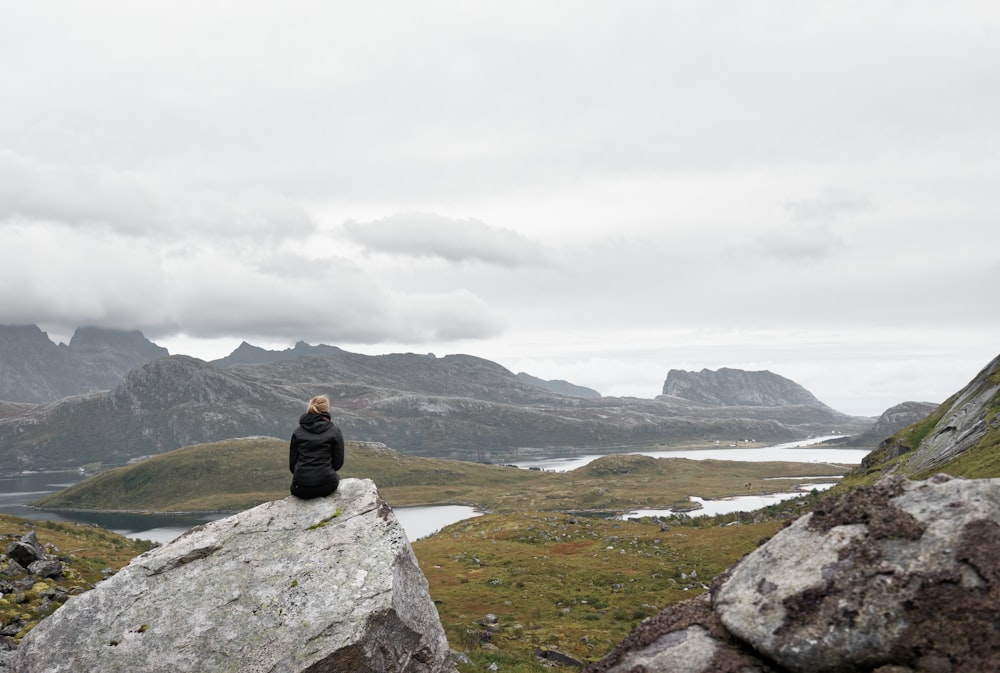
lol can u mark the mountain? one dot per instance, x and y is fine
(960, 437)
(737, 387)
(458, 406)
(891, 421)
(33, 369)
(247, 354)
(558, 386)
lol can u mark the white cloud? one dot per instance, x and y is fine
(98, 197)
(430, 235)
(591, 169)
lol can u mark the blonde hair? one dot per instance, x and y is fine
(318, 404)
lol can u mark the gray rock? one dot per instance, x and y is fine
(47, 567)
(321, 585)
(962, 426)
(903, 573)
(27, 550)
(11, 568)
(685, 638)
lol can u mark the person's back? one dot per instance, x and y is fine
(315, 452)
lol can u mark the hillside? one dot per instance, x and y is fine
(238, 474)
(458, 406)
(961, 437)
(892, 420)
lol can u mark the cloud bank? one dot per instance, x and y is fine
(600, 190)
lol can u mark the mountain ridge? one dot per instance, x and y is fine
(736, 387)
(34, 369)
(457, 406)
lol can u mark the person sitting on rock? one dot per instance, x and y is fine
(315, 452)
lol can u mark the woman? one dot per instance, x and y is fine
(316, 452)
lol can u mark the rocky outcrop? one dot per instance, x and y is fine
(737, 388)
(891, 421)
(292, 586)
(970, 416)
(966, 427)
(34, 369)
(900, 577)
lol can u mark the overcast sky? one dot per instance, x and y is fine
(596, 191)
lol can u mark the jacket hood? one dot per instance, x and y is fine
(316, 422)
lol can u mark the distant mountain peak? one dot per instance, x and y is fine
(248, 354)
(34, 369)
(737, 388)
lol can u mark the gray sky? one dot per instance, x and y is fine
(590, 191)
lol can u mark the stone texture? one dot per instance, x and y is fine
(903, 573)
(686, 638)
(27, 550)
(901, 577)
(320, 586)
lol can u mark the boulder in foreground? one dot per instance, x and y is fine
(900, 577)
(290, 586)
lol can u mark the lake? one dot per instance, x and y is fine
(16, 491)
(801, 451)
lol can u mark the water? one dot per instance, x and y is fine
(17, 491)
(794, 452)
(739, 503)
(425, 520)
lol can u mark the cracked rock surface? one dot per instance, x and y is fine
(292, 585)
(900, 577)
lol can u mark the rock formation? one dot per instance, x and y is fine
(737, 388)
(964, 427)
(293, 586)
(900, 577)
(891, 421)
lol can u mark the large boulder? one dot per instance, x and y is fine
(27, 550)
(321, 585)
(900, 577)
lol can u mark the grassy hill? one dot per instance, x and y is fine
(237, 474)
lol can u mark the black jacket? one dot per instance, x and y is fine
(316, 450)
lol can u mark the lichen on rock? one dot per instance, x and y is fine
(262, 590)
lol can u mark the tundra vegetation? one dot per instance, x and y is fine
(234, 475)
(574, 583)
(558, 582)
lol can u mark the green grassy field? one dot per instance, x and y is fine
(573, 584)
(237, 474)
